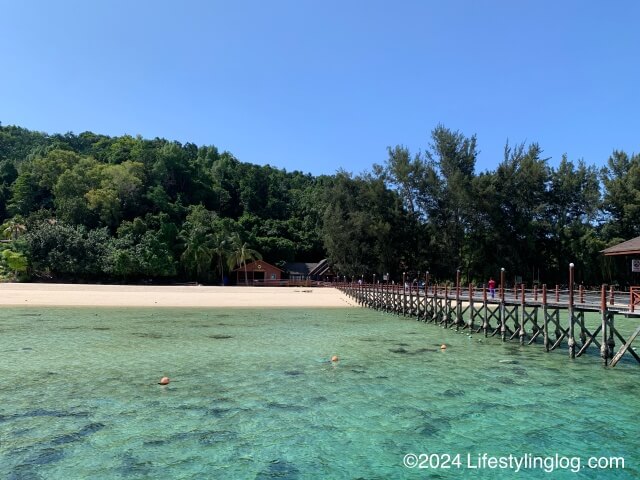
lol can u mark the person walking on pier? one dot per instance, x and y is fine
(492, 287)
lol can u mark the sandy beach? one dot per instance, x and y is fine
(43, 294)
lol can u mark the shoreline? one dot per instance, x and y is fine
(87, 295)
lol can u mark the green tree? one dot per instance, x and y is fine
(195, 235)
(197, 255)
(365, 227)
(240, 254)
(574, 203)
(621, 205)
(119, 191)
(520, 209)
(142, 248)
(13, 228)
(61, 250)
(452, 158)
(221, 249)
(15, 261)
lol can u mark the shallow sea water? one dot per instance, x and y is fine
(254, 396)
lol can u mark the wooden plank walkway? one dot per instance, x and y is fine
(554, 317)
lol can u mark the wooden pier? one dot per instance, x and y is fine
(554, 318)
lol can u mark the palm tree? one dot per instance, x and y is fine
(240, 254)
(198, 253)
(13, 228)
(220, 248)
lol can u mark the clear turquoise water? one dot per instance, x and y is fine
(254, 396)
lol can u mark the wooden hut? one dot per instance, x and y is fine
(320, 271)
(258, 272)
(627, 256)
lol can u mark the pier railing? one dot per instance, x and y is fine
(554, 317)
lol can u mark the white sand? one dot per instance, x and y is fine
(44, 294)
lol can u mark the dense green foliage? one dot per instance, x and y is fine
(91, 207)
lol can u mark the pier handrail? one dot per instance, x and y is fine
(618, 300)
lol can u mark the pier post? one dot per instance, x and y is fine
(612, 299)
(426, 295)
(447, 306)
(572, 340)
(471, 312)
(410, 310)
(404, 294)
(503, 320)
(604, 349)
(485, 308)
(436, 304)
(385, 292)
(394, 298)
(545, 318)
(375, 293)
(523, 314)
(458, 305)
(611, 343)
(439, 290)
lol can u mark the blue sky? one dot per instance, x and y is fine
(322, 85)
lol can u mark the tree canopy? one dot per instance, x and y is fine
(92, 207)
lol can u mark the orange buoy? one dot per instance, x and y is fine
(164, 381)
(443, 347)
(334, 358)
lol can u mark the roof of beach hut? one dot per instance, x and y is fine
(630, 247)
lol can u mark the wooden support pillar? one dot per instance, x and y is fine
(547, 343)
(612, 299)
(611, 343)
(572, 339)
(426, 295)
(375, 293)
(404, 294)
(604, 349)
(458, 304)
(522, 302)
(485, 309)
(410, 308)
(502, 313)
(387, 298)
(471, 312)
(447, 304)
(441, 302)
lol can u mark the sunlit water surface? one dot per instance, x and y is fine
(254, 395)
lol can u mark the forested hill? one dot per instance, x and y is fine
(93, 207)
(98, 208)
